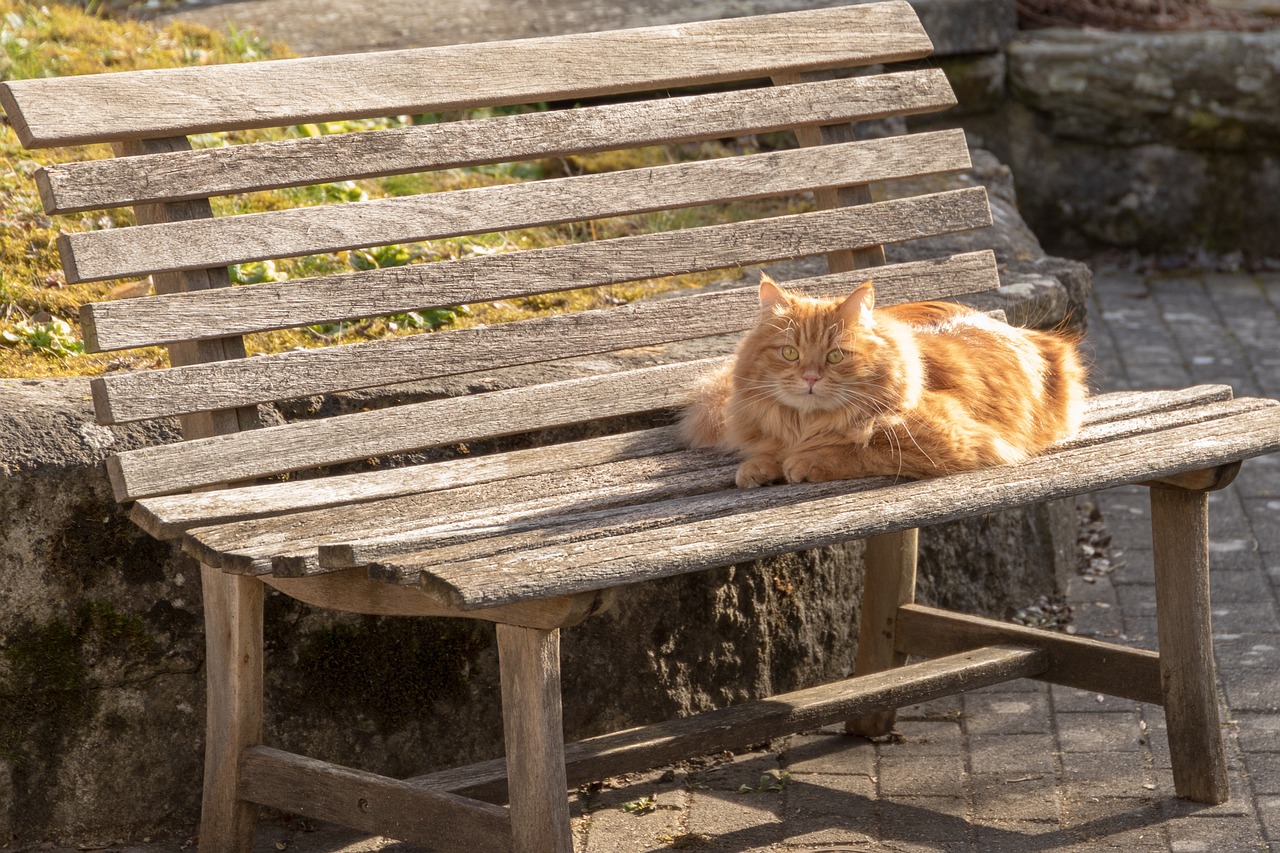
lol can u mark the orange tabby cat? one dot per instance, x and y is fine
(826, 389)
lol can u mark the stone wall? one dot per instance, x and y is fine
(1162, 143)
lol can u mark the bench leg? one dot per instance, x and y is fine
(534, 729)
(1180, 533)
(889, 583)
(233, 664)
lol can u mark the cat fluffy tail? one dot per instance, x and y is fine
(702, 424)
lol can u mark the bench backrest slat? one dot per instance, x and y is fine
(282, 376)
(174, 190)
(181, 101)
(199, 244)
(402, 429)
(93, 184)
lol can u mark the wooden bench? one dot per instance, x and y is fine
(540, 539)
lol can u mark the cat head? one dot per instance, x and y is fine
(810, 354)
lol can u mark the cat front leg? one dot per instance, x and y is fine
(820, 466)
(757, 471)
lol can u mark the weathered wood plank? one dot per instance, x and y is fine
(755, 535)
(93, 184)
(277, 305)
(353, 591)
(533, 730)
(168, 516)
(575, 522)
(365, 801)
(402, 429)
(90, 108)
(461, 514)
(888, 582)
(123, 252)
(754, 722)
(1180, 536)
(1077, 662)
(158, 393)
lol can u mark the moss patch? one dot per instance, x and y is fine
(389, 670)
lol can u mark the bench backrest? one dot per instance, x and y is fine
(148, 116)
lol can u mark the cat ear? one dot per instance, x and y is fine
(855, 310)
(771, 295)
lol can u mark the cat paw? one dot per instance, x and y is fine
(757, 471)
(807, 469)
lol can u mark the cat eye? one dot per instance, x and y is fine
(790, 353)
(835, 356)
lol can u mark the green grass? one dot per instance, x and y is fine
(39, 330)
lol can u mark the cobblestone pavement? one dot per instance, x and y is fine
(1022, 767)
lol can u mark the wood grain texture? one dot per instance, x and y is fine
(168, 516)
(94, 184)
(276, 305)
(402, 429)
(461, 514)
(281, 376)
(181, 101)
(889, 582)
(1072, 661)
(233, 619)
(734, 538)
(353, 591)
(533, 730)
(754, 722)
(371, 803)
(128, 252)
(1180, 536)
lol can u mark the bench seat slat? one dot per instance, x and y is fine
(401, 429)
(677, 549)
(168, 516)
(125, 252)
(94, 184)
(462, 514)
(230, 384)
(96, 108)
(595, 502)
(576, 526)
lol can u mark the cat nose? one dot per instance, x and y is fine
(811, 378)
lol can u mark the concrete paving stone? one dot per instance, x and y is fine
(1264, 521)
(830, 754)
(1085, 732)
(731, 821)
(1264, 772)
(1214, 834)
(1014, 836)
(730, 774)
(1269, 814)
(645, 819)
(1136, 600)
(1248, 665)
(925, 819)
(1028, 797)
(1104, 775)
(1006, 713)
(921, 776)
(1013, 756)
(1240, 587)
(1245, 618)
(1071, 699)
(820, 809)
(926, 737)
(1140, 632)
(1133, 565)
(1258, 732)
(1259, 477)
